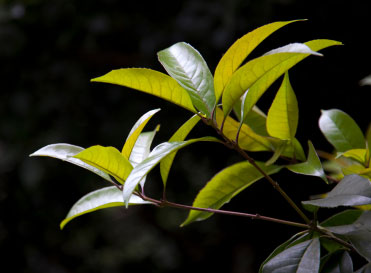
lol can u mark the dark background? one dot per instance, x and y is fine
(49, 50)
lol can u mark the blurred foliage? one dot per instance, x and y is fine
(50, 49)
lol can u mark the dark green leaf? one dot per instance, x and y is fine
(186, 65)
(353, 190)
(341, 130)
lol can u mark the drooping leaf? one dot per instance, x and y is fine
(179, 135)
(224, 186)
(364, 269)
(135, 132)
(358, 233)
(238, 52)
(154, 158)
(340, 262)
(353, 190)
(66, 152)
(311, 167)
(108, 160)
(283, 115)
(258, 74)
(99, 199)
(151, 82)
(341, 130)
(358, 155)
(303, 257)
(294, 240)
(248, 139)
(186, 65)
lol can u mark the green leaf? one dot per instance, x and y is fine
(303, 257)
(294, 150)
(358, 233)
(99, 199)
(157, 154)
(108, 160)
(340, 262)
(66, 152)
(341, 130)
(151, 82)
(346, 217)
(179, 135)
(248, 139)
(311, 167)
(358, 155)
(277, 153)
(238, 52)
(257, 75)
(368, 145)
(283, 115)
(353, 190)
(224, 186)
(186, 65)
(135, 132)
(256, 120)
(364, 269)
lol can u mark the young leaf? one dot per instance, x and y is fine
(179, 135)
(258, 74)
(151, 82)
(341, 130)
(311, 167)
(157, 154)
(108, 160)
(339, 263)
(283, 115)
(186, 65)
(303, 257)
(135, 132)
(353, 190)
(99, 199)
(66, 152)
(224, 186)
(358, 155)
(238, 52)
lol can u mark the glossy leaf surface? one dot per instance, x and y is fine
(303, 258)
(151, 82)
(341, 130)
(142, 147)
(311, 167)
(154, 158)
(224, 186)
(99, 199)
(108, 160)
(353, 190)
(262, 72)
(186, 65)
(238, 52)
(135, 132)
(179, 135)
(283, 115)
(66, 152)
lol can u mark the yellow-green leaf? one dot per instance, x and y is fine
(238, 52)
(224, 186)
(283, 115)
(100, 199)
(151, 82)
(356, 154)
(108, 160)
(135, 132)
(179, 135)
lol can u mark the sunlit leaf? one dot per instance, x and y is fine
(311, 167)
(258, 74)
(283, 115)
(341, 130)
(186, 65)
(294, 150)
(224, 186)
(238, 52)
(108, 160)
(151, 82)
(135, 132)
(303, 257)
(99, 199)
(179, 135)
(358, 155)
(154, 158)
(353, 190)
(66, 152)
